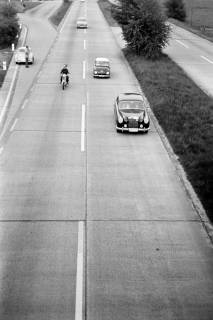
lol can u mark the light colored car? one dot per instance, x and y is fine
(82, 23)
(101, 68)
(20, 55)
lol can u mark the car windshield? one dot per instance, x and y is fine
(22, 50)
(102, 63)
(82, 19)
(131, 106)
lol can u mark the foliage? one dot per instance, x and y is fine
(145, 30)
(175, 9)
(8, 25)
(7, 11)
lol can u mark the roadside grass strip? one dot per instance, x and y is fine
(185, 113)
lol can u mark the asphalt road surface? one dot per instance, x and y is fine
(194, 54)
(93, 224)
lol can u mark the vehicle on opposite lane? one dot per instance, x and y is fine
(82, 23)
(20, 56)
(101, 68)
(130, 113)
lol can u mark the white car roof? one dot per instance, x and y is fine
(23, 48)
(102, 59)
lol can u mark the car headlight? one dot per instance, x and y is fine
(107, 72)
(145, 119)
(120, 119)
(95, 72)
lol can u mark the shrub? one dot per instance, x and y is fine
(9, 27)
(146, 32)
(7, 11)
(8, 31)
(175, 9)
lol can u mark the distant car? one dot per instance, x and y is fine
(101, 68)
(20, 55)
(130, 113)
(82, 23)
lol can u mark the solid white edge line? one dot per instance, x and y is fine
(14, 124)
(8, 95)
(210, 61)
(83, 128)
(183, 44)
(84, 69)
(79, 272)
(24, 104)
(84, 44)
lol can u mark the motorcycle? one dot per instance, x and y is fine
(64, 82)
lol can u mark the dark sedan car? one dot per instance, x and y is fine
(130, 113)
(101, 68)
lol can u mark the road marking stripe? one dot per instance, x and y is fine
(84, 69)
(210, 61)
(14, 124)
(183, 44)
(84, 44)
(85, 30)
(24, 104)
(8, 95)
(83, 128)
(80, 273)
(1, 150)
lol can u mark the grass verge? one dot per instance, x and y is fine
(184, 112)
(60, 13)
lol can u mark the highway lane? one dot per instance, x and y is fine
(194, 54)
(42, 195)
(37, 19)
(144, 239)
(77, 197)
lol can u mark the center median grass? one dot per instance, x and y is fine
(57, 17)
(184, 112)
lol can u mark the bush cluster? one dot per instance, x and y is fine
(144, 26)
(175, 9)
(8, 25)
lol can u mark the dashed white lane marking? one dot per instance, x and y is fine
(83, 128)
(208, 60)
(84, 44)
(85, 30)
(183, 44)
(14, 124)
(24, 104)
(1, 150)
(84, 69)
(80, 273)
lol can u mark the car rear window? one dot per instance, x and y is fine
(102, 63)
(131, 106)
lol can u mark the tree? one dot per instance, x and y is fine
(146, 32)
(175, 9)
(8, 25)
(7, 11)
